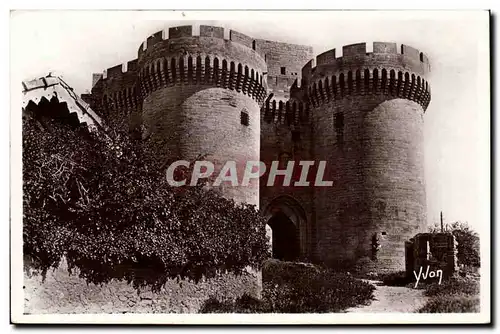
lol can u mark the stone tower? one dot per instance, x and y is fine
(202, 96)
(193, 95)
(367, 116)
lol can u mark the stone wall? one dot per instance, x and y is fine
(283, 56)
(115, 95)
(286, 142)
(65, 293)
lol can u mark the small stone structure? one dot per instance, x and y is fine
(438, 251)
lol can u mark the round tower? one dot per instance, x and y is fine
(367, 111)
(202, 96)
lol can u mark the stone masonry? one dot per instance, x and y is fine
(362, 113)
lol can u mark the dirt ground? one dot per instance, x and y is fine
(393, 299)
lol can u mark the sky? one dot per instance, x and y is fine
(75, 44)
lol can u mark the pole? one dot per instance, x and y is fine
(442, 225)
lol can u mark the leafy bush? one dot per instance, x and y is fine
(281, 272)
(314, 289)
(455, 295)
(101, 205)
(299, 288)
(468, 243)
(243, 304)
(213, 305)
(459, 303)
(455, 285)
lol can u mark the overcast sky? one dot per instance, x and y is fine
(77, 44)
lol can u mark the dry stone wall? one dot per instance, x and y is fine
(65, 293)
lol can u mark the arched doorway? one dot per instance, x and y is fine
(286, 222)
(285, 238)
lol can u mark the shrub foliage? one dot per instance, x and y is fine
(243, 304)
(468, 243)
(298, 288)
(455, 295)
(452, 304)
(109, 211)
(455, 285)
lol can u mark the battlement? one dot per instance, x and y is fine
(178, 57)
(114, 71)
(384, 54)
(359, 49)
(388, 70)
(185, 55)
(118, 70)
(205, 31)
(116, 88)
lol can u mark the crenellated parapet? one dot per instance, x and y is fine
(387, 70)
(179, 58)
(117, 89)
